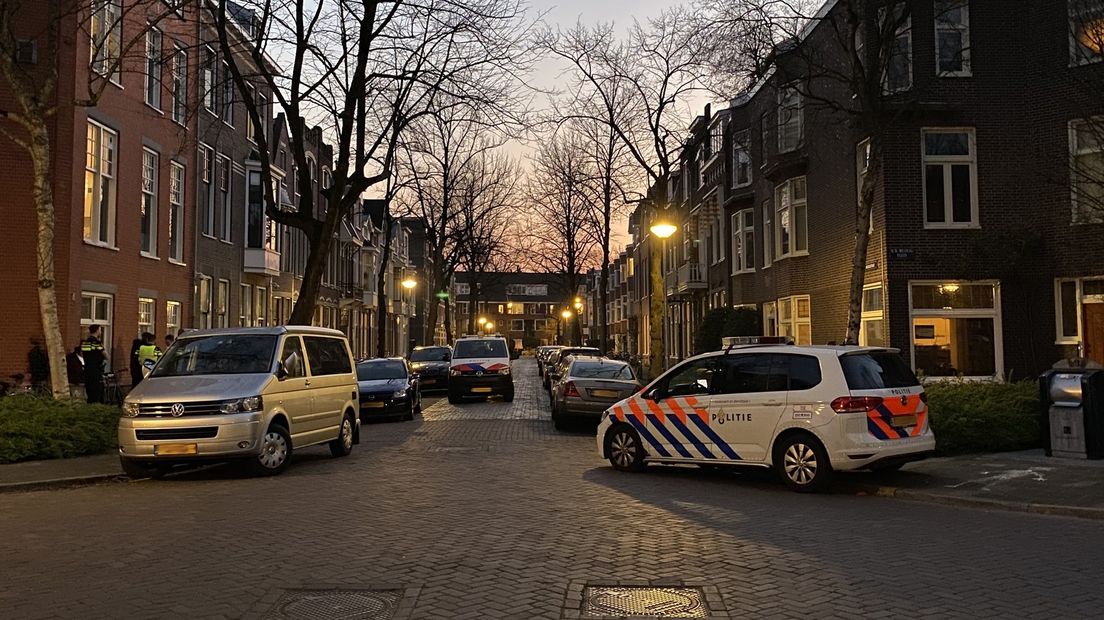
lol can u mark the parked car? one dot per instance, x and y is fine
(551, 371)
(588, 387)
(805, 411)
(543, 353)
(481, 367)
(431, 366)
(387, 389)
(250, 393)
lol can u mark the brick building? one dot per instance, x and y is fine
(524, 307)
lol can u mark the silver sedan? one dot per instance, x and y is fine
(588, 387)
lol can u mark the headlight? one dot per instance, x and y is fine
(399, 394)
(504, 371)
(453, 372)
(130, 409)
(243, 405)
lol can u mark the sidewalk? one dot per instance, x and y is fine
(1025, 481)
(32, 475)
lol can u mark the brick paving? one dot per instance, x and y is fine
(496, 518)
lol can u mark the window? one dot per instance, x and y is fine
(952, 38)
(224, 198)
(255, 233)
(791, 234)
(222, 304)
(741, 159)
(748, 373)
(463, 288)
(877, 370)
(176, 212)
(260, 306)
(1067, 296)
(149, 203)
(180, 85)
(768, 234)
(203, 300)
(795, 372)
(950, 178)
(795, 319)
(245, 306)
(521, 290)
(96, 309)
(208, 85)
(872, 326)
(765, 127)
(1087, 170)
(897, 73)
(693, 378)
(716, 139)
(173, 311)
(227, 95)
(153, 68)
(328, 356)
(106, 29)
(956, 329)
(743, 241)
(1086, 18)
(262, 111)
(99, 184)
(517, 325)
(146, 315)
(790, 119)
(770, 318)
(292, 358)
(207, 161)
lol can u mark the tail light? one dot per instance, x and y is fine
(856, 404)
(570, 390)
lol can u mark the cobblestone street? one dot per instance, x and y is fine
(484, 511)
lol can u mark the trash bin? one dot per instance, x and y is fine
(1072, 401)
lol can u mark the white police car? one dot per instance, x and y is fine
(806, 411)
(480, 368)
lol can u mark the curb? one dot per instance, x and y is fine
(59, 483)
(1059, 510)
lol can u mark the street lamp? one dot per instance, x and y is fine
(482, 321)
(409, 283)
(658, 310)
(489, 326)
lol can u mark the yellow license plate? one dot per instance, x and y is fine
(176, 448)
(605, 393)
(481, 390)
(904, 420)
(374, 405)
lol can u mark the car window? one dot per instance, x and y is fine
(292, 358)
(748, 373)
(465, 349)
(431, 354)
(224, 354)
(389, 369)
(601, 370)
(875, 370)
(328, 356)
(803, 371)
(692, 378)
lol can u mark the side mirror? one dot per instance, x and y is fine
(281, 371)
(655, 395)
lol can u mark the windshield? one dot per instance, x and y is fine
(372, 371)
(877, 370)
(481, 348)
(434, 354)
(601, 370)
(229, 354)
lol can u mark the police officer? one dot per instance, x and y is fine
(148, 353)
(92, 350)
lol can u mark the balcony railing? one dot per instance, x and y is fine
(690, 276)
(261, 260)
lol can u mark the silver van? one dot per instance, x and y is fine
(251, 393)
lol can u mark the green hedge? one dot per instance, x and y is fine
(984, 417)
(42, 428)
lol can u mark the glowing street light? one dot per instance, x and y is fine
(489, 326)
(663, 229)
(409, 283)
(566, 314)
(482, 321)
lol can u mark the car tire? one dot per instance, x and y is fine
(138, 470)
(508, 395)
(418, 407)
(343, 445)
(275, 452)
(802, 462)
(624, 449)
(409, 415)
(454, 397)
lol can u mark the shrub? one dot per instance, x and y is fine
(984, 417)
(42, 428)
(721, 322)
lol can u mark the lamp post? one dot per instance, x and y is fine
(566, 316)
(658, 311)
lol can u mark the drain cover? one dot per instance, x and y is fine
(336, 604)
(603, 601)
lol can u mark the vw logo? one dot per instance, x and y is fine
(177, 410)
(479, 373)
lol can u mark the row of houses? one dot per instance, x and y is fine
(160, 221)
(986, 254)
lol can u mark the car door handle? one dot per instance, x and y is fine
(773, 403)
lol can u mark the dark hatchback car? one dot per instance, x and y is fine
(387, 389)
(431, 366)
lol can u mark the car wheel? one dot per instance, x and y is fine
(803, 463)
(418, 407)
(508, 395)
(409, 415)
(624, 449)
(453, 397)
(275, 452)
(139, 470)
(343, 445)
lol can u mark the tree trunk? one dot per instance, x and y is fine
(448, 322)
(862, 244)
(473, 303)
(603, 300)
(381, 289)
(656, 316)
(311, 288)
(47, 291)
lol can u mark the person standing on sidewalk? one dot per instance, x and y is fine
(135, 363)
(92, 350)
(148, 353)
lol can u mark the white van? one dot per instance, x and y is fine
(480, 367)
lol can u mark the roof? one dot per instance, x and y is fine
(836, 350)
(278, 330)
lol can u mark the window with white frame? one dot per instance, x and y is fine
(99, 184)
(872, 326)
(222, 304)
(716, 139)
(153, 68)
(952, 38)
(208, 86)
(897, 72)
(106, 28)
(795, 319)
(741, 159)
(716, 241)
(790, 119)
(97, 309)
(208, 174)
(179, 85)
(1086, 27)
(224, 198)
(173, 318)
(770, 319)
(148, 206)
(956, 329)
(768, 232)
(743, 241)
(1067, 306)
(146, 316)
(950, 178)
(250, 127)
(227, 95)
(245, 306)
(260, 306)
(203, 300)
(1087, 170)
(791, 232)
(176, 211)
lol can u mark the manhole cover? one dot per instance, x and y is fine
(603, 601)
(336, 604)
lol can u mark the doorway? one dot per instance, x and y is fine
(1093, 317)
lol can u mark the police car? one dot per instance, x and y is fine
(480, 367)
(806, 411)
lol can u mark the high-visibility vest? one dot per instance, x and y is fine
(148, 354)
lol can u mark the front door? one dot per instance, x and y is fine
(679, 420)
(293, 393)
(1093, 314)
(331, 383)
(753, 399)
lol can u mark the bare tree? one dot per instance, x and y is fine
(39, 100)
(365, 70)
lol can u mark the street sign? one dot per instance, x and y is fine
(901, 253)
